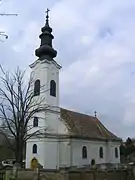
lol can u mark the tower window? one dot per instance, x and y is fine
(101, 152)
(116, 152)
(34, 149)
(35, 122)
(84, 152)
(37, 87)
(52, 88)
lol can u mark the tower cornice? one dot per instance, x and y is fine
(45, 61)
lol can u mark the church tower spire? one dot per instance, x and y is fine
(46, 51)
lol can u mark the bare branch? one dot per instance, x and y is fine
(17, 108)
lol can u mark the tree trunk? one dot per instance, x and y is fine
(19, 151)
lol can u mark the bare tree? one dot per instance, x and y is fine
(17, 107)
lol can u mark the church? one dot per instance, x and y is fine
(65, 138)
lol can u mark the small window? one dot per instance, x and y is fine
(101, 152)
(37, 87)
(84, 152)
(35, 122)
(116, 152)
(52, 88)
(34, 149)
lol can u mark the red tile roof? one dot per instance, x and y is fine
(86, 126)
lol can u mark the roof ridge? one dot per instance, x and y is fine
(80, 113)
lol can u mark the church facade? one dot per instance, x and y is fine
(63, 138)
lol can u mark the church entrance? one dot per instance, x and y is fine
(93, 162)
(34, 163)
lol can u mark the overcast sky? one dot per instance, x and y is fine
(95, 40)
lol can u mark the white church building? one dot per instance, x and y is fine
(65, 138)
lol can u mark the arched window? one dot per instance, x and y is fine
(84, 152)
(52, 88)
(37, 87)
(35, 122)
(34, 150)
(116, 152)
(101, 152)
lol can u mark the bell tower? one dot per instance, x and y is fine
(45, 71)
(45, 87)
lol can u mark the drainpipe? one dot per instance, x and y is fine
(71, 154)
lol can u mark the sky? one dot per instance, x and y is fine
(95, 42)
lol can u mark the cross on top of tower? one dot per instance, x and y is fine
(47, 16)
(47, 12)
